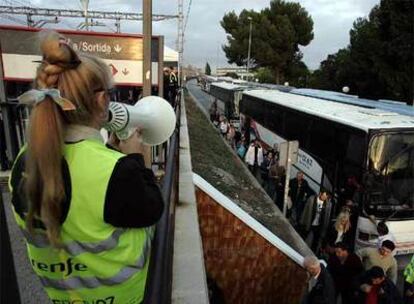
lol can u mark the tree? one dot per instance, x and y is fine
(264, 75)
(232, 75)
(335, 72)
(378, 62)
(208, 69)
(297, 73)
(277, 32)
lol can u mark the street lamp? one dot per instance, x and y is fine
(250, 45)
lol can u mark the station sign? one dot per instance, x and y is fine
(20, 49)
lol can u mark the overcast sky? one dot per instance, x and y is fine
(204, 36)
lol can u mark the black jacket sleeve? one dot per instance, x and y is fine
(133, 199)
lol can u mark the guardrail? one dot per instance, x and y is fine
(159, 281)
(13, 122)
(9, 290)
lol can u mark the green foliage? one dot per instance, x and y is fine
(277, 32)
(335, 72)
(207, 69)
(264, 75)
(378, 63)
(232, 75)
(297, 73)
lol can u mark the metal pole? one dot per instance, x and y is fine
(161, 66)
(118, 25)
(146, 68)
(85, 4)
(147, 29)
(12, 147)
(250, 45)
(180, 41)
(286, 192)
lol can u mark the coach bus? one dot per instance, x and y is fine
(388, 105)
(229, 95)
(205, 82)
(356, 152)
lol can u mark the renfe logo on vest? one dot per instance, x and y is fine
(67, 266)
(108, 300)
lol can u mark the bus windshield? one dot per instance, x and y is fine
(390, 177)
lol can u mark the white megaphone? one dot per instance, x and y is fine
(153, 115)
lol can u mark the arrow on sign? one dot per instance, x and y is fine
(125, 71)
(113, 69)
(117, 48)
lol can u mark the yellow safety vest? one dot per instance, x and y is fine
(99, 263)
(409, 271)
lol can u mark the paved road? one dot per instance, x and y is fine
(203, 98)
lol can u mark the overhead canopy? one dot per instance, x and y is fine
(170, 55)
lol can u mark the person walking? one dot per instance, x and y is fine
(166, 84)
(340, 231)
(277, 175)
(299, 191)
(213, 111)
(231, 133)
(344, 268)
(254, 157)
(173, 86)
(313, 218)
(381, 257)
(373, 287)
(86, 211)
(264, 169)
(241, 148)
(224, 126)
(321, 289)
(384, 234)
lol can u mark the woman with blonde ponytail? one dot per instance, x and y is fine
(85, 209)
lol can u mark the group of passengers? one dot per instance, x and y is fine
(367, 275)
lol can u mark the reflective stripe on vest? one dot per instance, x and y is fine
(75, 248)
(93, 282)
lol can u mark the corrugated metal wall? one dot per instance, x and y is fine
(244, 265)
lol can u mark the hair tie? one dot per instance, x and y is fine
(33, 97)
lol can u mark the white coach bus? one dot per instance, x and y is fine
(357, 152)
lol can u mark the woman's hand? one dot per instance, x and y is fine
(133, 144)
(366, 288)
(113, 141)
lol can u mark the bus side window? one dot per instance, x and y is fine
(275, 120)
(355, 149)
(296, 127)
(322, 141)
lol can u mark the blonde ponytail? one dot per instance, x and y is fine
(77, 78)
(44, 179)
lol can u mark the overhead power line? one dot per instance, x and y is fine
(14, 19)
(24, 10)
(187, 15)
